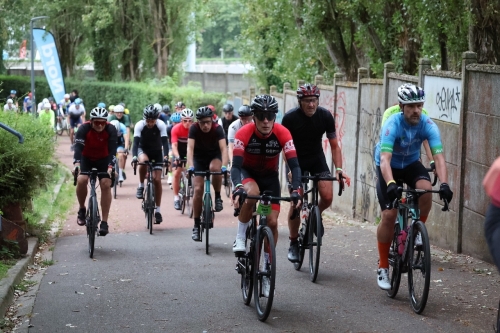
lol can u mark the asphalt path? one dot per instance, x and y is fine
(165, 282)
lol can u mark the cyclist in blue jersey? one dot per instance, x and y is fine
(121, 130)
(397, 157)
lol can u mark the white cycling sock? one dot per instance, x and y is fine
(158, 209)
(176, 197)
(242, 229)
(140, 184)
(120, 173)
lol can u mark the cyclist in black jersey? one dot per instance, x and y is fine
(228, 118)
(150, 141)
(307, 123)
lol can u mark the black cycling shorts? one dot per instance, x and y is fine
(86, 166)
(154, 156)
(269, 183)
(409, 175)
(315, 165)
(203, 163)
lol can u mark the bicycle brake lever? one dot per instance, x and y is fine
(445, 208)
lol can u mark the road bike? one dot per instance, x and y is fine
(227, 184)
(185, 191)
(148, 197)
(62, 124)
(310, 219)
(92, 216)
(251, 264)
(207, 208)
(410, 248)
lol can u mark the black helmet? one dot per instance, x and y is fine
(244, 111)
(264, 103)
(165, 109)
(150, 112)
(204, 112)
(227, 108)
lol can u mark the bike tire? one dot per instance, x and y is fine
(92, 224)
(115, 185)
(394, 264)
(149, 207)
(303, 245)
(183, 196)
(315, 239)
(208, 219)
(263, 304)
(246, 266)
(419, 268)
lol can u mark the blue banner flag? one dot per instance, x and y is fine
(46, 46)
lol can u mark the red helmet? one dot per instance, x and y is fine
(307, 90)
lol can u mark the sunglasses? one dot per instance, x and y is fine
(99, 123)
(205, 122)
(265, 115)
(187, 120)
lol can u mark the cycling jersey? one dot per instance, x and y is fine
(404, 141)
(75, 113)
(394, 110)
(95, 145)
(120, 133)
(233, 128)
(180, 136)
(169, 133)
(64, 105)
(307, 132)
(260, 154)
(225, 124)
(125, 120)
(150, 139)
(163, 117)
(206, 144)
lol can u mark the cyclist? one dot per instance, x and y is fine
(245, 117)
(491, 183)
(180, 133)
(206, 150)
(27, 103)
(150, 137)
(165, 114)
(228, 118)
(307, 123)
(257, 148)
(119, 114)
(10, 106)
(179, 106)
(101, 105)
(76, 116)
(121, 130)
(95, 147)
(397, 157)
(174, 120)
(14, 98)
(46, 116)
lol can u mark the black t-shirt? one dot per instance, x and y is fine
(307, 132)
(206, 144)
(226, 123)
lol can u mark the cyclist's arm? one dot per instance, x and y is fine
(80, 143)
(427, 149)
(137, 138)
(112, 144)
(190, 151)
(223, 150)
(336, 152)
(230, 152)
(175, 151)
(385, 166)
(166, 148)
(441, 168)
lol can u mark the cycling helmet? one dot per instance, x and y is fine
(180, 105)
(157, 107)
(150, 112)
(116, 124)
(204, 112)
(78, 101)
(264, 103)
(165, 109)
(66, 96)
(187, 113)
(99, 113)
(13, 92)
(215, 117)
(176, 118)
(101, 105)
(111, 108)
(244, 111)
(122, 104)
(45, 100)
(227, 108)
(409, 93)
(119, 108)
(46, 106)
(211, 107)
(10, 101)
(307, 90)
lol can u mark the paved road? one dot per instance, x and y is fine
(166, 283)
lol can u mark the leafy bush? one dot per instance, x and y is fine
(21, 165)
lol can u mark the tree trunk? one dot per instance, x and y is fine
(484, 36)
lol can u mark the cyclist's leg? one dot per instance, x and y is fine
(246, 210)
(157, 156)
(176, 181)
(105, 184)
(81, 189)
(418, 178)
(142, 157)
(272, 184)
(121, 162)
(215, 166)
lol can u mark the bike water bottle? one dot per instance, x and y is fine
(304, 215)
(401, 241)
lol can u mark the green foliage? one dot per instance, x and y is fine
(9, 250)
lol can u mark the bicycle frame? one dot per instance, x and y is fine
(147, 206)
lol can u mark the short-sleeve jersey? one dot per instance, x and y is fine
(95, 145)
(404, 141)
(261, 154)
(307, 132)
(394, 110)
(125, 120)
(233, 128)
(75, 113)
(150, 138)
(180, 136)
(206, 144)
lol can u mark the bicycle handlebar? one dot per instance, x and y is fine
(134, 165)
(317, 177)
(206, 174)
(419, 192)
(433, 169)
(267, 198)
(113, 176)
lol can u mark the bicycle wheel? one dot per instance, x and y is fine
(394, 264)
(150, 207)
(59, 128)
(92, 221)
(419, 268)
(207, 218)
(264, 271)
(314, 242)
(245, 265)
(182, 195)
(115, 185)
(303, 245)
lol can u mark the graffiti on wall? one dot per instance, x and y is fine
(370, 129)
(443, 97)
(328, 103)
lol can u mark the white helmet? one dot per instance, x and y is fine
(99, 113)
(45, 100)
(46, 106)
(158, 107)
(10, 101)
(116, 124)
(66, 96)
(119, 108)
(187, 113)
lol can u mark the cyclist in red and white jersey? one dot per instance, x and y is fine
(95, 147)
(257, 148)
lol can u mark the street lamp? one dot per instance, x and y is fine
(33, 100)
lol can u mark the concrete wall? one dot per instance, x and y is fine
(219, 82)
(465, 107)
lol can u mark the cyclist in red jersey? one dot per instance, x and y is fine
(257, 148)
(95, 147)
(206, 151)
(180, 134)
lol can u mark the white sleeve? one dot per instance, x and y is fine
(162, 127)
(231, 132)
(138, 128)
